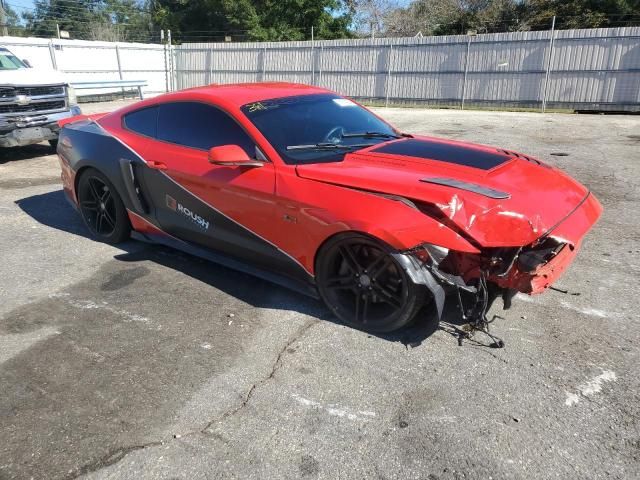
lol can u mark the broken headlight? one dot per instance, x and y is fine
(533, 257)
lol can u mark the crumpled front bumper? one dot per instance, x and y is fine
(17, 131)
(472, 277)
(570, 231)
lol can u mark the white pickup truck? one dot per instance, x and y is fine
(31, 102)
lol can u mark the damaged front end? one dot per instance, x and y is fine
(476, 280)
(495, 269)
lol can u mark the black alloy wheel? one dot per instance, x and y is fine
(102, 209)
(365, 286)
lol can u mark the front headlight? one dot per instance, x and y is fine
(71, 96)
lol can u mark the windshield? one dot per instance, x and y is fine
(10, 62)
(317, 128)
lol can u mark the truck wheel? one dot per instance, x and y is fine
(54, 144)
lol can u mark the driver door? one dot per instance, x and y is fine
(226, 208)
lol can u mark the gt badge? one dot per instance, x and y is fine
(176, 206)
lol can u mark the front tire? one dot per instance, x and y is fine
(101, 208)
(365, 286)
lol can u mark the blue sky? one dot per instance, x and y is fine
(16, 4)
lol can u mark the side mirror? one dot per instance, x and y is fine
(232, 155)
(26, 62)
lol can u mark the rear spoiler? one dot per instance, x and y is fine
(78, 118)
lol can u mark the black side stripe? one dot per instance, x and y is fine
(237, 223)
(206, 203)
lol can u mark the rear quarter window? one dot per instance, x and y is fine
(201, 126)
(144, 122)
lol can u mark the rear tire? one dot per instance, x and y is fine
(54, 144)
(364, 286)
(101, 208)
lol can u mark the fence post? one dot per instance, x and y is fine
(119, 67)
(264, 63)
(548, 69)
(52, 53)
(209, 63)
(172, 71)
(320, 65)
(313, 58)
(466, 73)
(389, 57)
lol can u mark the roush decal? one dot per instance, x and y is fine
(176, 206)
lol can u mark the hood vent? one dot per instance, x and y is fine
(469, 187)
(522, 157)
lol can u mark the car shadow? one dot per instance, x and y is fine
(13, 154)
(53, 210)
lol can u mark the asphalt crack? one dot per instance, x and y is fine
(277, 364)
(111, 458)
(115, 455)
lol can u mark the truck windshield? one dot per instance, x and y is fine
(317, 128)
(8, 61)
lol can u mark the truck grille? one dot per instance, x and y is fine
(32, 99)
(33, 107)
(7, 93)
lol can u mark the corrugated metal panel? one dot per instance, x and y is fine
(593, 68)
(596, 66)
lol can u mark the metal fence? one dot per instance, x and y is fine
(89, 61)
(595, 69)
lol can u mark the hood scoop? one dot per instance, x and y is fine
(469, 187)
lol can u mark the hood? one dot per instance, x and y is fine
(31, 76)
(499, 198)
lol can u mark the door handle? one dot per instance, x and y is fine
(157, 165)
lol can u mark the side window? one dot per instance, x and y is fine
(200, 126)
(143, 121)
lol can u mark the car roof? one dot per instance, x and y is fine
(243, 93)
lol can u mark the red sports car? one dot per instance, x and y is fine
(311, 190)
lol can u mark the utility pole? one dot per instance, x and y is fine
(3, 20)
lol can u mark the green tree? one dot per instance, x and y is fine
(74, 18)
(441, 17)
(12, 21)
(293, 19)
(582, 13)
(203, 19)
(193, 20)
(450, 17)
(111, 20)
